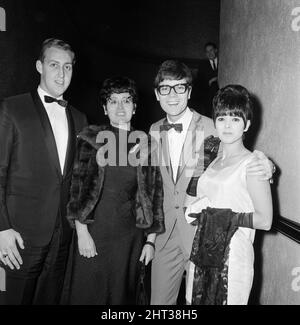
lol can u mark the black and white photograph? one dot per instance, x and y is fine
(149, 159)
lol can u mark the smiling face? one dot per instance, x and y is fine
(173, 104)
(56, 71)
(230, 129)
(119, 108)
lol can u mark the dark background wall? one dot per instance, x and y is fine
(119, 37)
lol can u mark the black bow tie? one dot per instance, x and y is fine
(60, 102)
(168, 126)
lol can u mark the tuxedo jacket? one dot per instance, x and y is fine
(202, 94)
(207, 71)
(33, 190)
(191, 160)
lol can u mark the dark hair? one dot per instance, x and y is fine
(233, 100)
(173, 70)
(53, 42)
(210, 44)
(118, 85)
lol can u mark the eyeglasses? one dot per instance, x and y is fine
(166, 89)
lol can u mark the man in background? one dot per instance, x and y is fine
(206, 82)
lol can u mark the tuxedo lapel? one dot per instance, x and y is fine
(192, 144)
(71, 142)
(209, 66)
(164, 157)
(48, 133)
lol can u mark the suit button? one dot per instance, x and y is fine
(176, 206)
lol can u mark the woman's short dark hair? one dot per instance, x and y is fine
(118, 85)
(173, 70)
(57, 43)
(233, 100)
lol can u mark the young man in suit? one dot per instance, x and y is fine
(37, 146)
(210, 73)
(206, 82)
(185, 147)
(211, 52)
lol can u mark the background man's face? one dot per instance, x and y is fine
(211, 52)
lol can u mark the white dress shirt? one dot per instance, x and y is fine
(215, 60)
(59, 123)
(176, 140)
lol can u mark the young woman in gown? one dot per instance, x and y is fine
(116, 208)
(229, 206)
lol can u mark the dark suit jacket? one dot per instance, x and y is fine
(33, 191)
(203, 93)
(208, 72)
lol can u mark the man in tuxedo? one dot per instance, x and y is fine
(37, 146)
(185, 147)
(211, 73)
(207, 78)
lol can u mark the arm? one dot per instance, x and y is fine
(86, 245)
(210, 81)
(155, 184)
(84, 165)
(148, 249)
(7, 136)
(260, 166)
(262, 216)
(210, 148)
(9, 254)
(156, 195)
(158, 225)
(260, 194)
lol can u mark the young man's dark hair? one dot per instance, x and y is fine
(173, 70)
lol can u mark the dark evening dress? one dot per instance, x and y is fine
(110, 277)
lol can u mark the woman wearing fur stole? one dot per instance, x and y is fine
(116, 202)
